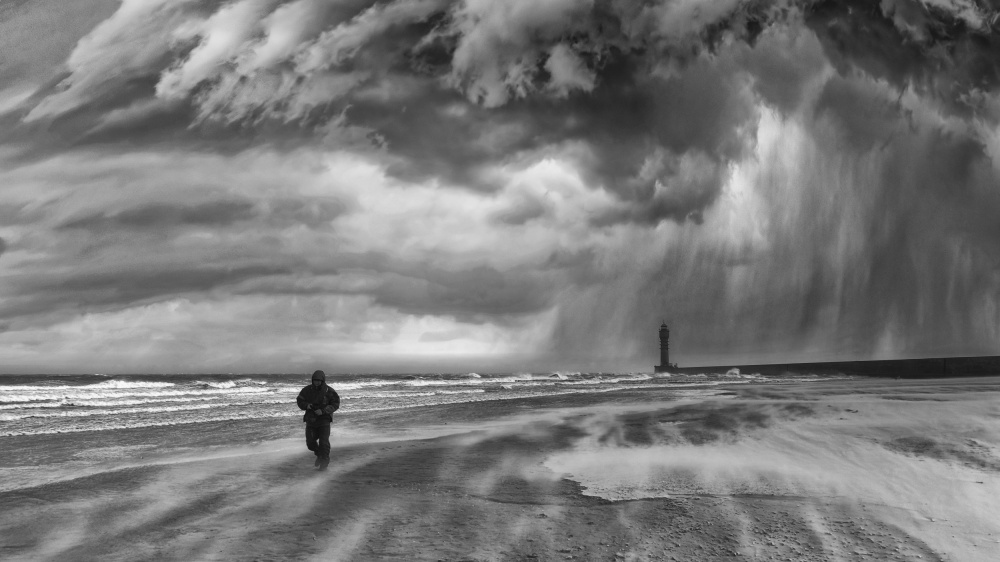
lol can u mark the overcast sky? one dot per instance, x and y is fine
(485, 185)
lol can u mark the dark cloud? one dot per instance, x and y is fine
(163, 215)
(448, 92)
(52, 28)
(911, 44)
(467, 294)
(14, 214)
(633, 131)
(782, 63)
(865, 117)
(278, 212)
(446, 89)
(471, 294)
(309, 212)
(129, 286)
(521, 212)
(95, 290)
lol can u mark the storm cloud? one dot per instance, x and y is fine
(779, 180)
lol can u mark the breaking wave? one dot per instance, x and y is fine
(52, 404)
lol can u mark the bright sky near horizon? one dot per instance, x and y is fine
(438, 185)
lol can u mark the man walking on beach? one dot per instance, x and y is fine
(319, 401)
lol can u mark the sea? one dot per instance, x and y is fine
(48, 404)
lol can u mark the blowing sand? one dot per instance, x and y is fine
(848, 470)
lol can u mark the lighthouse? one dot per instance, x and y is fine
(664, 350)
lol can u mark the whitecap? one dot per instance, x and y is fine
(126, 384)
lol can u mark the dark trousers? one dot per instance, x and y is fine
(318, 440)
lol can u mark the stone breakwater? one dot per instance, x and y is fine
(925, 368)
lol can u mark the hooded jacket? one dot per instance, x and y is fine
(323, 398)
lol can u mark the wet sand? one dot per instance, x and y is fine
(848, 470)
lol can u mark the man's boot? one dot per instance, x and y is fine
(318, 461)
(323, 463)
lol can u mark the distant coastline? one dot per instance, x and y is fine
(931, 367)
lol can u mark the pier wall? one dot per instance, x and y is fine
(934, 367)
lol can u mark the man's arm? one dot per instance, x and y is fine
(301, 401)
(332, 401)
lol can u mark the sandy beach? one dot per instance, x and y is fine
(839, 470)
